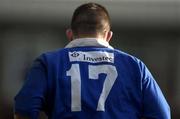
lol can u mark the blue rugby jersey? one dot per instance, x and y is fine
(90, 80)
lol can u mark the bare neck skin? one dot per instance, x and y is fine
(107, 35)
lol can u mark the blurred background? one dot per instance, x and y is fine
(147, 29)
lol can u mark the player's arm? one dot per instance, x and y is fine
(155, 105)
(31, 98)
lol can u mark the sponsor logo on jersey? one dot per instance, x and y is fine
(75, 54)
(91, 56)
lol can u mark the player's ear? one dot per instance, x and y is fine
(109, 35)
(69, 34)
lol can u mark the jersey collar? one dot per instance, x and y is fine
(80, 42)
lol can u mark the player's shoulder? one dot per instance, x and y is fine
(126, 56)
(130, 61)
(54, 53)
(51, 55)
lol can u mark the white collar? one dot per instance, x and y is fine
(88, 42)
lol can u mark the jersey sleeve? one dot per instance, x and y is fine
(155, 105)
(31, 98)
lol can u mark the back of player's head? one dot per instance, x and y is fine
(91, 19)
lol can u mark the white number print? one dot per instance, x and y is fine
(74, 72)
(93, 71)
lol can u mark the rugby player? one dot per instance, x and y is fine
(89, 79)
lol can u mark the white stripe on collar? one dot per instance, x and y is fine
(88, 42)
